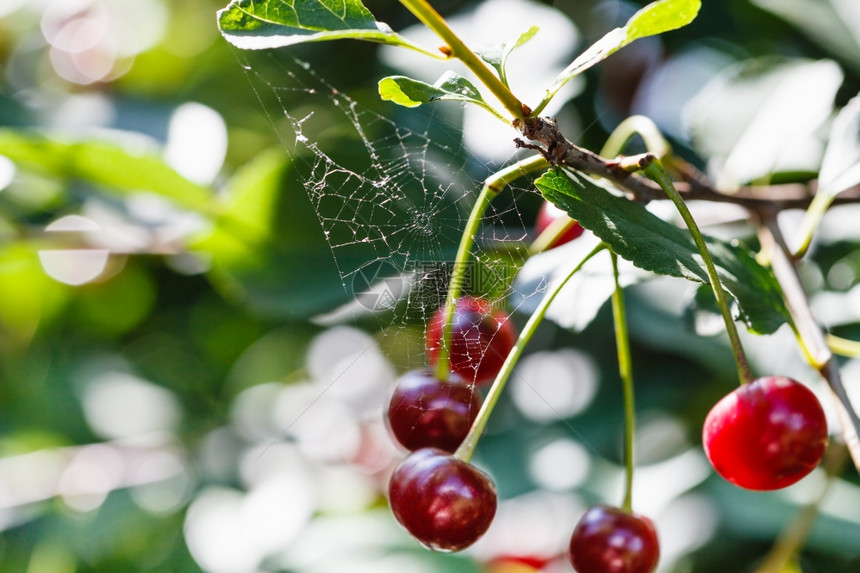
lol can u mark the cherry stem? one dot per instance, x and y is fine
(467, 448)
(655, 143)
(658, 147)
(819, 205)
(625, 369)
(843, 346)
(422, 10)
(491, 189)
(551, 234)
(655, 171)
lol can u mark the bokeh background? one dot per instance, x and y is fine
(184, 385)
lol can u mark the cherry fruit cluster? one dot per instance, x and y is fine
(765, 435)
(443, 501)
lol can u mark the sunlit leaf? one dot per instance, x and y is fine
(265, 24)
(655, 18)
(840, 168)
(657, 246)
(412, 93)
(117, 166)
(497, 55)
(762, 116)
(833, 24)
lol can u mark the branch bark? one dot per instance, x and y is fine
(809, 332)
(691, 183)
(765, 202)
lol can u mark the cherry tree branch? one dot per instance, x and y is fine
(764, 201)
(809, 333)
(691, 183)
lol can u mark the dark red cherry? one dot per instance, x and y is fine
(518, 563)
(547, 215)
(425, 412)
(444, 502)
(610, 540)
(481, 339)
(767, 434)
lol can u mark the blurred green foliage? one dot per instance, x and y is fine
(184, 408)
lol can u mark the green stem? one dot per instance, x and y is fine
(809, 335)
(633, 125)
(625, 369)
(551, 234)
(656, 172)
(467, 448)
(813, 216)
(433, 20)
(843, 346)
(492, 187)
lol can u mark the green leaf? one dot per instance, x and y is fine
(826, 22)
(655, 18)
(412, 93)
(248, 205)
(763, 116)
(840, 168)
(124, 166)
(497, 55)
(657, 246)
(701, 314)
(492, 54)
(266, 24)
(659, 17)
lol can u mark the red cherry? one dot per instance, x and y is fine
(547, 215)
(444, 502)
(767, 434)
(518, 563)
(481, 339)
(610, 540)
(426, 412)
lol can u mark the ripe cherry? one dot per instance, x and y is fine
(481, 339)
(767, 434)
(518, 563)
(426, 412)
(547, 215)
(444, 502)
(611, 540)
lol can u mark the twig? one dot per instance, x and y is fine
(692, 183)
(808, 331)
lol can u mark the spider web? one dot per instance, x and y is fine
(392, 189)
(392, 195)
